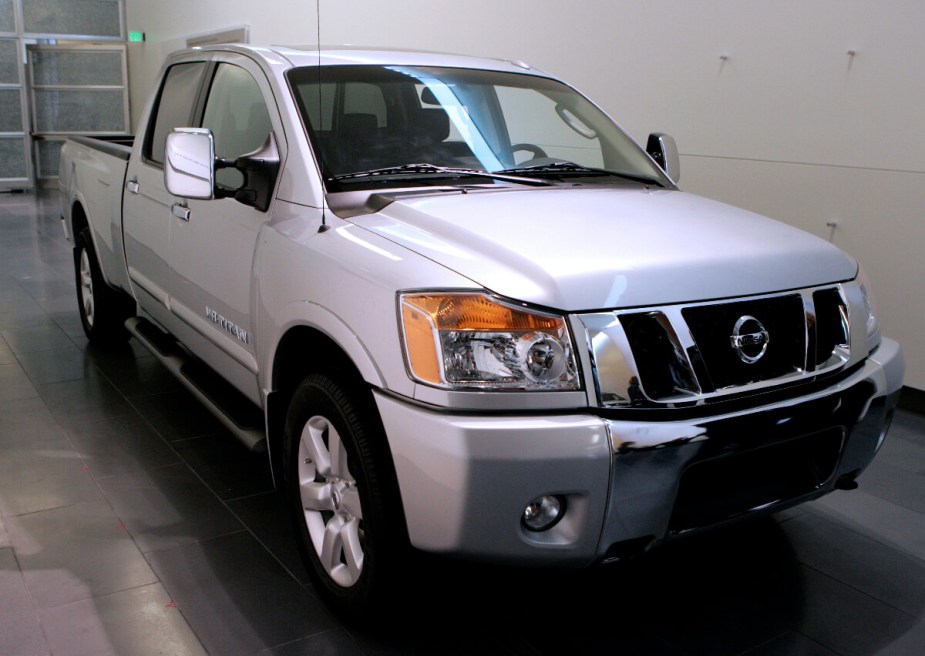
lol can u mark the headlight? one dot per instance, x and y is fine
(470, 340)
(869, 309)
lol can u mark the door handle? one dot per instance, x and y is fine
(132, 186)
(180, 211)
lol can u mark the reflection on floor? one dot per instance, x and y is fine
(132, 523)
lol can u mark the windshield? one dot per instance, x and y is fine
(374, 126)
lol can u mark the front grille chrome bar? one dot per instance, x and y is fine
(650, 357)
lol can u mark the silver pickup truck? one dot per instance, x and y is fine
(464, 313)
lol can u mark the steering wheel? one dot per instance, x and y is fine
(533, 149)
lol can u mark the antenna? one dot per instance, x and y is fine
(324, 224)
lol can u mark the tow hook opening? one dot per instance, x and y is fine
(627, 550)
(847, 481)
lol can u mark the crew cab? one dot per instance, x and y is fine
(465, 313)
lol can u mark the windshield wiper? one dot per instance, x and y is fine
(559, 168)
(432, 169)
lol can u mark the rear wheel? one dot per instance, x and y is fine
(103, 310)
(342, 492)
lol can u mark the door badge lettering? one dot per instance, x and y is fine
(228, 326)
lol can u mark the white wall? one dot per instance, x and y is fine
(788, 124)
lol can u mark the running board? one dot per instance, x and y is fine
(236, 412)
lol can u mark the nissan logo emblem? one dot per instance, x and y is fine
(749, 339)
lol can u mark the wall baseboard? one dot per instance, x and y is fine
(912, 399)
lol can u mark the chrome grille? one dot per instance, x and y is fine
(701, 351)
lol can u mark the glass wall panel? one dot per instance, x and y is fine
(13, 158)
(49, 155)
(9, 61)
(83, 110)
(72, 17)
(7, 23)
(76, 68)
(10, 110)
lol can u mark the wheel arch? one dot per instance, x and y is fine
(79, 219)
(301, 350)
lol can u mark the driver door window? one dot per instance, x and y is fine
(237, 115)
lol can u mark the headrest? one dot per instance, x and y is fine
(434, 123)
(359, 123)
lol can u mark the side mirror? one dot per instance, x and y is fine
(663, 149)
(259, 168)
(189, 169)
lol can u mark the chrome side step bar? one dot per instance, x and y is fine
(237, 413)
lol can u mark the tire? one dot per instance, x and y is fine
(343, 495)
(103, 310)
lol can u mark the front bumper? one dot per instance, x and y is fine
(466, 479)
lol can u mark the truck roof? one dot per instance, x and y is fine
(311, 55)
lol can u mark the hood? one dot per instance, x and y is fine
(601, 248)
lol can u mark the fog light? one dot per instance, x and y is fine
(543, 512)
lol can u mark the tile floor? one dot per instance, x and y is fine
(132, 523)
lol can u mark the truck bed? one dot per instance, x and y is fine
(96, 166)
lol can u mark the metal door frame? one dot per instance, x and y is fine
(39, 138)
(24, 39)
(22, 136)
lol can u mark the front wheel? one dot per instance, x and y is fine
(342, 493)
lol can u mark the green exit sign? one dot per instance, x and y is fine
(136, 37)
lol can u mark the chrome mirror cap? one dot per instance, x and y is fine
(189, 169)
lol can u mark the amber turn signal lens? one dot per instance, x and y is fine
(474, 341)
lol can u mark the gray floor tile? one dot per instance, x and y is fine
(30, 437)
(14, 383)
(75, 553)
(237, 599)
(896, 484)
(336, 642)
(861, 562)
(6, 355)
(177, 415)
(133, 374)
(910, 643)
(120, 445)
(907, 426)
(19, 316)
(42, 479)
(57, 365)
(903, 452)
(882, 520)
(69, 323)
(847, 621)
(167, 506)
(50, 288)
(266, 516)
(141, 621)
(20, 632)
(32, 339)
(226, 465)
(80, 401)
(25, 417)
(792, 644)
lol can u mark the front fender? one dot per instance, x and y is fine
(314, 316)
